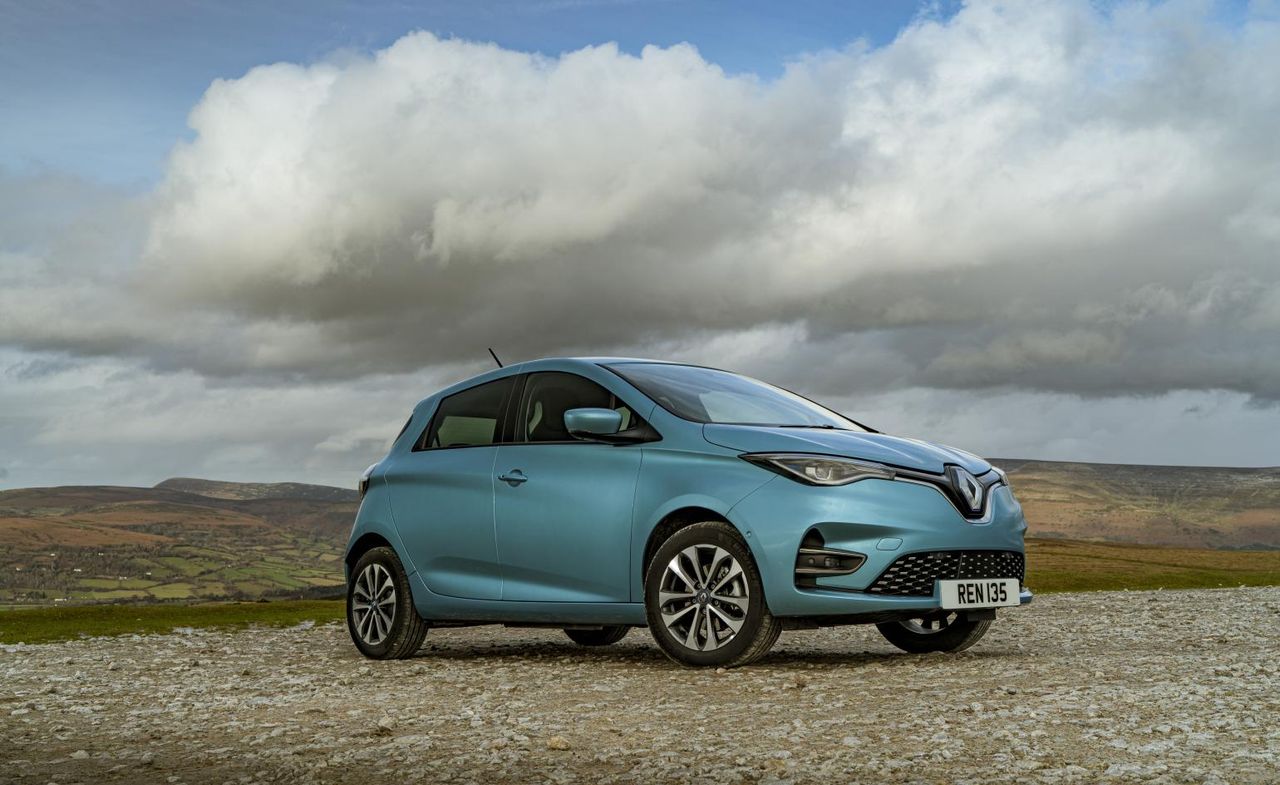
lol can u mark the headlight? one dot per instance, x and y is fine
(820, 469)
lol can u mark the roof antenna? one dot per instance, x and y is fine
(495, 357)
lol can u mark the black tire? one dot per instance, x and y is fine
(402, 637)
(605, 636)
(759, 630)
(942, 631)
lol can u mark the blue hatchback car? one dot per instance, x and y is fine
(601, 494)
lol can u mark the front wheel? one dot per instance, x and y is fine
(940, 631)
(380, 615)
(704, 599)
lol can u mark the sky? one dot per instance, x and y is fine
(240, 240)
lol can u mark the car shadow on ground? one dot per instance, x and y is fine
(537, 650)
(800, 656)
(643, 653)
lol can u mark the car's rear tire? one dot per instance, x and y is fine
(704, 599)
(381, 618)
(941, 631)
(605, 636)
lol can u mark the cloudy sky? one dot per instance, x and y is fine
(241, 243)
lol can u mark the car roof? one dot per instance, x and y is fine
(540, 364)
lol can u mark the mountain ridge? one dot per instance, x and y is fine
(226, 489)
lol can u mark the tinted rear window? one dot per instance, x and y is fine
(470, 418)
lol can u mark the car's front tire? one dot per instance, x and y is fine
(937, 632)
(705, 601)
(380, 615)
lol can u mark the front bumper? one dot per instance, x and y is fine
(883, 520)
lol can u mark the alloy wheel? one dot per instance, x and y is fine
(931, 624)
(704, 597)
(374, 604)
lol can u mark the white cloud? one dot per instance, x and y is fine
(1044, 199)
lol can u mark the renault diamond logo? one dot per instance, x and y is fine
(967, 486)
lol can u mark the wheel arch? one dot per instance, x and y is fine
(365, 543)
(677, 519)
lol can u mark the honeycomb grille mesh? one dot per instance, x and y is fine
(913, 575)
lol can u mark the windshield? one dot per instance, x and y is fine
(709, 396)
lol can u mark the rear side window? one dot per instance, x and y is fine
(471, 418)
(548, 395)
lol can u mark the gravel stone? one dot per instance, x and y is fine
(1168, 687)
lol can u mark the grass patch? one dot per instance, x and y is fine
(1069, 565)
(44, 625)
(113, 584)
(172, 591)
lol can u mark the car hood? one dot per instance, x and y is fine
(879, 447)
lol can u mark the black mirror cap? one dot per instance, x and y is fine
(641, 433)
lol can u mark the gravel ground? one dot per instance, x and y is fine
(1167, 687)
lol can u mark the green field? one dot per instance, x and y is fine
(1070, 565)
(1052, 566)
(44, 625)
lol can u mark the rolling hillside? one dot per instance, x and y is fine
(1178, 506)
(191, 539)
(182, 540)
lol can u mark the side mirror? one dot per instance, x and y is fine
(588, 423)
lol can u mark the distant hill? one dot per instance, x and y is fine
(191, 539)
(218, 489)
(1180, 506)
(182, 540)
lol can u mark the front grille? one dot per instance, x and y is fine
(913, 575)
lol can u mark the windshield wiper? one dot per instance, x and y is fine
(824, 427)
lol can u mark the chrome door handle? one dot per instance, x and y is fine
(513, 477)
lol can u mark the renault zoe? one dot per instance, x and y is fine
(600, 494)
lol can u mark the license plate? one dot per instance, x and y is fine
(985, 593)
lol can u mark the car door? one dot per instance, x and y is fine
(562, 505)
(442, 493)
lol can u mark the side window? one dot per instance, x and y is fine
(469, 418)
(547, 396)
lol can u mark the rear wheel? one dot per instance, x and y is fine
(380, 615)
(705, 601)
(940, 631)
(605, 636)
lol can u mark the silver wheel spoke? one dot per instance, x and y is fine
(665, 597)
(671, 618)
(691, 553)
(733, 624)
(738, 602)
(691, 639)
(390, 599)
(929, 625)
(678, 569)
(718, 557)
(735, 570)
